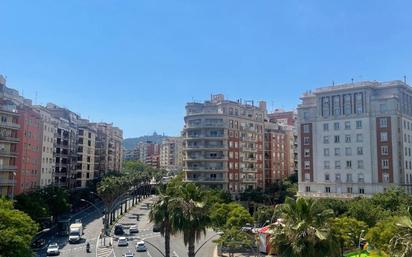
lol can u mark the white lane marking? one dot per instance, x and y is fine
(148, 253)
(175, 254)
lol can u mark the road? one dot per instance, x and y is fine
(178, 249)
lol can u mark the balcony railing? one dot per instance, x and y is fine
(9, 125)
(206, 146)
(206, 168)
(7, 182)
(206, 125)
(8, 167)
(250, 180)
(9, 109)
(331, 195)
(6, 152)
(207, 179)
(9, 138)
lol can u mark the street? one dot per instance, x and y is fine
(93, 225)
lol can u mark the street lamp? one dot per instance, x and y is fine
(14, 185)
(217, 234)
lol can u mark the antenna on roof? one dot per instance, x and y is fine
(35, 97)
(404, 79)
(352, 80)
(333, 83)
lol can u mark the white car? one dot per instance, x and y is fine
(128, 254)
(133, 229)
(53, 249)
(140, 246)
(122, 241)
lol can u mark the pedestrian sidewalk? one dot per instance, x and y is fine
(215, 254)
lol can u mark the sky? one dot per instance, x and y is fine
(137, 63)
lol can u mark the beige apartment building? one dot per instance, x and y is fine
(48, 146)
(223, 144)
(171, 154)
(86, 142)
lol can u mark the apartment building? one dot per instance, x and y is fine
(86, 142)
(109, 149)
(9, 126)
(283, 117)
(223, 144)
(171, 157)
(149, 153)
(355, 139)
(29, 149)
(48, 147)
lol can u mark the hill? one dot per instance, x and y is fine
(130, 143)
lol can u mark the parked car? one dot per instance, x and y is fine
(140, 246)
(128, 254)
(39, 243)
(53, 249)
(133, 229)
(118, 229)
(156, 228)
(122, 241)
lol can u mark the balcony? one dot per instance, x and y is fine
(9, 125)
(248, 169)
(208, 179)
(206, 158)
(205, 136)
(9, 139)
(206, 125)
(249, 180)
(8, 167)
(7, 182)
(7, 153)
(248, 139)
(9, 110)
(206, 169)
(332, 195)
(197, 147)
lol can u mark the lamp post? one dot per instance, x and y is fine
(217, 234)
(14, 185)
(359, 242)
(98, 212)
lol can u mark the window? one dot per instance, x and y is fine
(337, 151)
(326, 151)
(360, 164)
(336, 125)
(325, 127)
(384, 136)
(385, 164)
(307, 152)
(336, 104)
(359, 150)
(306, 128)
(384, 150)
(325, 106)
(327, 189)
(358, 124)
(358, 102)
(337, 139)
(361, 191)
(327, 178)
(337, 164)
(349, 190)
(347, 124)
(307, 189)
(385, 177)
(307, 165)
(348, 151)
(359, 138)
(347, 138)
(326, 164)
(349, 178)
(349, 164)
(306, 141)
(337, 177)
(383, 122)
(347, 104)
(307, 176)
(326, 139)
(361, 178)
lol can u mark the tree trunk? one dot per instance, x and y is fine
(191, 247)
(167, 239)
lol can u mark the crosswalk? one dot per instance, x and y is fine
(104, 251)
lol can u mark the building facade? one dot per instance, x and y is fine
(171, 157)
(355, 139)
(86, 142)
(223, 144)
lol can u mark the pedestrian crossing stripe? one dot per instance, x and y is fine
(104, 252)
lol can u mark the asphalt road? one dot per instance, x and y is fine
(178, 249)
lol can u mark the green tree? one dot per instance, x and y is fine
(401, 243)
(190, 214)
(231, 215)
(232, 239)
(347, 232)
(304, 231)
(263, 214)
(33, 205)
(365, 210)
(16, 231)
(380, 234)
(56, 198)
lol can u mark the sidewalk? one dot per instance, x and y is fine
(215, 254)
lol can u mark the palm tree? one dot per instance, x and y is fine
(159, 214)
(304, 230)
(401, 243)
(189, 214)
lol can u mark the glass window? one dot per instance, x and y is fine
(325, 106)
(360, 164)
(347, 138)
(336, 125)
(336, 104)
(361, 178)
(306, 128)
(361, 191)
(383, 122)
(325, 127)
(307, 152)
(347, 124)
(385, 164)
(348, 164)
(359, 138)
(348, 151)
(307, 189)
(337, 164)
(307, 176)
(326, 151)
(307, 165)
(347, 104)
(337, 151)
(327, 178)
(349, 178)
(326, 139)
(306, 140)
(384, 150)
(326, 164)
(359, 150)
(349, 190)
(358, 124)
(327, 189)
(384, 136)
(337, 177)
(336, 139)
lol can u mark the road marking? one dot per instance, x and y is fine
(148, 253)
(175, 254)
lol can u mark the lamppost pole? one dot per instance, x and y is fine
(217, 234)
(14, 185)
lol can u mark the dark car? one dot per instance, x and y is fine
(118, 229)
(39, 243)
(156, 228)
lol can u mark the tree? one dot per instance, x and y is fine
(33, 205)
(401, 243)
(190, 214)
(304, 231)
(365, 210)
(347, 232)
(232, 239)
(380, 234)
(231, 215)
(263, 214)
(16, 231)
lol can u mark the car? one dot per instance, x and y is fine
(140, 246)
(122, 241)
(156, 228)
(133, 229)
(53, 249)
(128, 254)
(39, 243)
(118, 229)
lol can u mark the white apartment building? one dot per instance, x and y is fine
(171, 155)
(355, 139)
(47, 158)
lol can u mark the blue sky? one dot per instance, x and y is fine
(136, 63)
